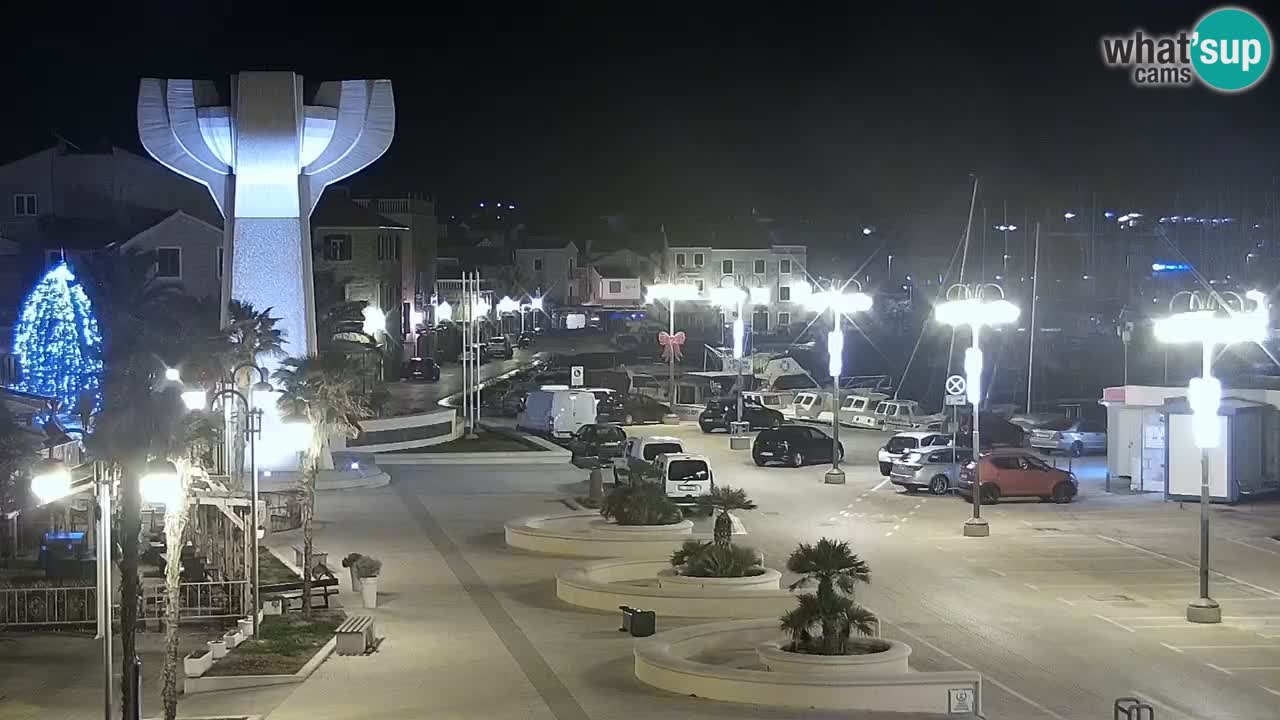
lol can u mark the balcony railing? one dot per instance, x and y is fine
(24, 607)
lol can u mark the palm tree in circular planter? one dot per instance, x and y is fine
(640, 504)
(823, 621)
(724, 499)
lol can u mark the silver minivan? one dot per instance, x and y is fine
(937, 469)
(1070, 435)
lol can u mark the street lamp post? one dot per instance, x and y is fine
(838, 303)
(50, 481)
(967, 305)
(670, 293)
(1212, 320)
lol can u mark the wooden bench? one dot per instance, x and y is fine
(323, 584)
(317, 557)
(355, 635)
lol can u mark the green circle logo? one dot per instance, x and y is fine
(1231, 49)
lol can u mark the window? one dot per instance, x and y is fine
(24, 205)
(569, 275)
(615, 287)
(726, 267)
(388, 246)
(221, 256)
(701, 285)
(784, 319)
(784, 294)
(680, 259)
(337, 248)
(168, 262)
(784, 267)
(537, 264)
(1007, 463)
(758, 267)
(699, 259)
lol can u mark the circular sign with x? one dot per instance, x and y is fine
(956, 385)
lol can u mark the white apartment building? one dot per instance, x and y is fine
(780, 269)
(552, 266)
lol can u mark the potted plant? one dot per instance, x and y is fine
(824, 620)
(217, 648)
(232, 638)
(197, 663)
(272, 605)
(711, 560)
(245, 625)
(367, 569)
(349, 562)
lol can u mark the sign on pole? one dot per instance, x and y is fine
(955, 400)
(956, 386)
(575, 376)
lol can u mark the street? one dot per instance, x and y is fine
(1064, 608)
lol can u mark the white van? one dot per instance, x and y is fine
(685, 477)
(557, 412)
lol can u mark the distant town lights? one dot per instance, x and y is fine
(1068, 215)
(866, 231)
(1005, 228)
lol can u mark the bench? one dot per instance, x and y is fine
(317, 557)
(355, 635)
(323, 584)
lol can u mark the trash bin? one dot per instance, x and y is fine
(738, 438)
(640, 623)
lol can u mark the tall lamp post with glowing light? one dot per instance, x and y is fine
(1213, 320)
(734, 298)
(51, 481)
(507, 306)
(970, 306)
(196, 399)
(839, 303)
(670, 293)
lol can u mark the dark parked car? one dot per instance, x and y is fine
(479, 348)
(609, 405)
(642, 409)
(719, 413)
(793, 445)
(526, 339)
(598, 440)
(499, 346)
(424, 369)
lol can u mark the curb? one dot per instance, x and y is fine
(205, 683)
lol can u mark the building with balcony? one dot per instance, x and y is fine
(419, 246)
(778, 270)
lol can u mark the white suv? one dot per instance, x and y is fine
(902, 443)
(639, 455)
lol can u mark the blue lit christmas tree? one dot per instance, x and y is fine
(57, 341)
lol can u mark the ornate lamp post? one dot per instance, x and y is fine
(839, 303)
(975, 306)
(670, 293)
(1211, 320)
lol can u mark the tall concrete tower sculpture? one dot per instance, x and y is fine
(266, 154)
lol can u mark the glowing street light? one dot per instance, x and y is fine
(1212, 320)
(172, 374)
(968, 305)
(840, 304)
(50, 480)
(375, 321)
(506, 305)
(444, 312)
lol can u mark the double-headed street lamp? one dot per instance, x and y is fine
(197, 399)
(975, 306)
(839, 303)
(1211, 320)
(734, 298)
(670, 293)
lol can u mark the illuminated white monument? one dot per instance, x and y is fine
(266, 154)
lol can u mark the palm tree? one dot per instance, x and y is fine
(836, 570)
(324, 391)
(143, 321)
(724, 499)
(248, 335)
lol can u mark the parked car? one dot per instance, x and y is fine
(479, 348)
(598, 440)
(722, 411)
(794, 445)
(648, 385)
(639, 408)
(609, 405)
(422, 369)
(499, 346)
(685, 477)
(526, 339)
(937, 469)
(1074, 435)
(1017, 473)
(904, 442)
(638, 456)
(995, 432)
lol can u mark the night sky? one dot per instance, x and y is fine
(679, 110)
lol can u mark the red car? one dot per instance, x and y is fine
(1018, 473)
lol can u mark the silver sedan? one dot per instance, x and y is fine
(938, 470)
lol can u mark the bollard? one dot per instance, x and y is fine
(595, 487)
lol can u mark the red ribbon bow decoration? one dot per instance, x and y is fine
(671, 345)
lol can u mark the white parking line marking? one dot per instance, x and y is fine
(1221, 647)
(997, 572)
(1069, 602)
(1171, 647)
(1273, 692)
(1033, 587)
(1187, 564)
(1251, 546)
(1224, 671)
(1122, 626)
(882, 484)
(986, 677)
(1254, 668)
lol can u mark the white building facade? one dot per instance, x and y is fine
(778, 269)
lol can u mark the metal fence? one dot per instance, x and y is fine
(48, 606)
(200, 600)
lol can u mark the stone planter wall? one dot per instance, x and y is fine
(586, 534)
(599, 586)
(664, 661)
(770, 580)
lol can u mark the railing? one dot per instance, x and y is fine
(284, 509)
(199, 600)
(48, 606)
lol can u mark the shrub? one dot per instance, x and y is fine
(350, 559)
(824, 620)
(368, 566)
(723, 561)
(640, 504)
